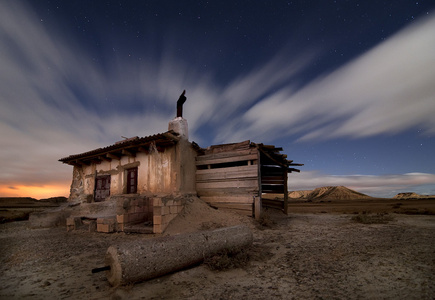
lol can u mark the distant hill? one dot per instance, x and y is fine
(19, 208)
(329, 193)
(22, 202)
(299, 194)
(411, 196)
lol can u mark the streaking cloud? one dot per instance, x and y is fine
(387, 90)
(56, 100)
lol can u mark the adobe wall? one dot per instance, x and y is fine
(156, 173)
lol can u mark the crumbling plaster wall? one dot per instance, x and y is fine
(156, 174)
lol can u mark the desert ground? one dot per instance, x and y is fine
(318, 251)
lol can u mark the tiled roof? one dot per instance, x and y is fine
(162, 140)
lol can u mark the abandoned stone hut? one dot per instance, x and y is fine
(142, 183)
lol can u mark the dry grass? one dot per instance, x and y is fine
(228, 259)
(369, 218)
(265, 220)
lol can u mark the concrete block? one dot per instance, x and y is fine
(157, 228)
(106, 228)
(157, 210)
(102, 227)
(157, 220)
(121, 219)
(157, 201)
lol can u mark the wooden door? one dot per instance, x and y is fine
(102, 188)
(132, 181)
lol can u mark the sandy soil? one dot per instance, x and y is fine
(299, 256)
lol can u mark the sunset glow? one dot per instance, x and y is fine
(37, 192)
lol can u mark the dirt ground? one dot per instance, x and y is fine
(311, 255)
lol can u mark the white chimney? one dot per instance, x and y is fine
(179, 125)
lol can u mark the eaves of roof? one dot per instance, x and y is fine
(126, 147)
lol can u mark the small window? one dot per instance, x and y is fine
(132, 181)
(102, 188)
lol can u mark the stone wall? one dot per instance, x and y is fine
(152, 213)
(165, 210)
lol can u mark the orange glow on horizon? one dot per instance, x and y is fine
(37, 192)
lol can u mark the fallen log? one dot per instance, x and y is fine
(139, 261)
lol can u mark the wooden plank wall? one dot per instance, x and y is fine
(273, 181)
(229, 179)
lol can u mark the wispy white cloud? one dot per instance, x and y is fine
(56, 101)
(373, 185)
(389, 89)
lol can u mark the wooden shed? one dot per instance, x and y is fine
(237, 176)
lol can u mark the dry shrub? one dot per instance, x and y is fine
(397, 205)
(265, 220)
(228, 259)
(367, 218)
(417, 211)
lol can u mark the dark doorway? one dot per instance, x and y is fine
(102, 188)
(132, 181)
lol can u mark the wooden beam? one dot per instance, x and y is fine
(96, 160)
(285, 174)
(113, 156)
(142, 149)
(128, 153)
(245, 198)
(227, 159)
(273, 159)
(226, 154)
(105, 158)
(225, 192)
(251, 183)
(81, 163)
(227, 173)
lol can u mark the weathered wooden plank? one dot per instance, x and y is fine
(227, 159)
(227, 173)
(257, 207)
(250, 183)
(226, 154)
(228, 147)
(227, 191)
(238, 206)
(246, 199)
(273, 203)
(286, 193)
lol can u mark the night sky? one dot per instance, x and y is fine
(345, 87)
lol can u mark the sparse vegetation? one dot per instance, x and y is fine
(228, 259)
(397, 205)
(368, 218)
(265, 219)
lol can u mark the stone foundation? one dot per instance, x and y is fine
(145, 213)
